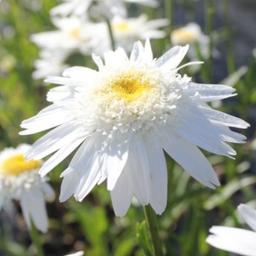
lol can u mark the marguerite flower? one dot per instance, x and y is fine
(122, 117)
(128, 30)
(50, 63)
(73, 34)
(19, 180)
(80, 7)
(236, 240)
(193, 35)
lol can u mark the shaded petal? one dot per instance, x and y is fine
(248, 214)
(223, 118)
(210, 92)
(158, 174)
(59, 156)
(139, 172)
(121, 195)
(233, 240)
(190, 158)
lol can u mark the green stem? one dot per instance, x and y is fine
(111, 34)
(168, 9)
(150, 218)
(36, 241)
(210, 12)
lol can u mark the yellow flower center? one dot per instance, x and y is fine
(75, 33)
(17, 164)
(130, 86)
(122, 26)
(182, 35)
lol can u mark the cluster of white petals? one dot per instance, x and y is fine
(236, 240)
(81, 28)
(122, 117)
(20, 181)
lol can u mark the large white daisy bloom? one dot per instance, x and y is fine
(122, 117)
(73, 34)
(236, 240)
(193, 35)
(19, 180)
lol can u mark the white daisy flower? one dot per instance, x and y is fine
(128, 30)
(122, 117)
(236, 240)
(19, 180)
(193, 35)
(80, 7)
(50, 63)
(73, 34)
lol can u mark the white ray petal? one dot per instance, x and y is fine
(54, 140)
(36, 207)
(158, 174)
(224, 118)
(190, 158)
(121, 195)
(233, 240)
(210, 92)
(172, 58)
(59, 156)
(114, 162)
(195, 128)
(248, 214)
(139, 171)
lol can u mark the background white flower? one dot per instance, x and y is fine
(236, 240)
(122, 116)
(19, 180)
(192, 34)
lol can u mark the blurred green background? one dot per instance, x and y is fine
(192, 209)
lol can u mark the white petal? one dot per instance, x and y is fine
(233, 240)
(54, 140)
(46, 119)
(136, 51)
(87, 163)
(59, 156)
(80, 73)
(248, 214)
(69, 184)
(192, 125)
(121, 195)
(158, 174)
(210, 92)
(190, 158)
(114, 162)
(172, 58)
(139, 171)
(224, 118)
(35, 205)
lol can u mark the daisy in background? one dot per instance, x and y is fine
(236, 240)
(122, 117)
(73, 34)
(192, 34)
(19, 180)
(50, 63)
(128, 30)
(109, 7)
